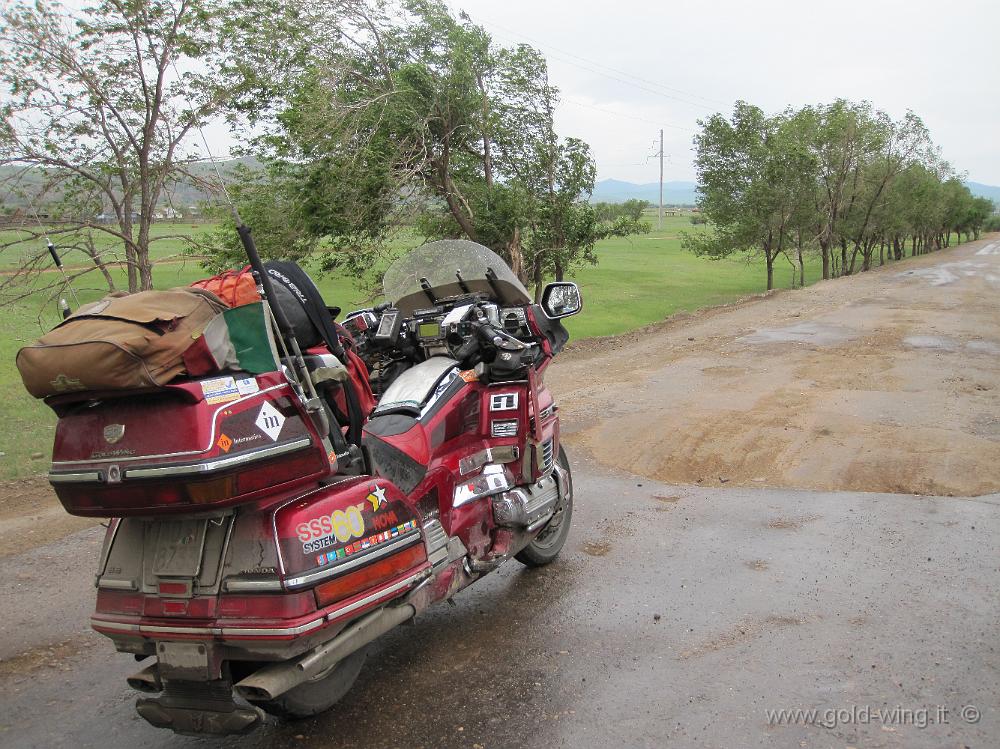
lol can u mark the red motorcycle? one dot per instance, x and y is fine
(265, 528)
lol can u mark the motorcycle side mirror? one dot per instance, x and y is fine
(561, 299)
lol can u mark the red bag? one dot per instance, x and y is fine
(356, 370)
(234, 287)
(359, 376)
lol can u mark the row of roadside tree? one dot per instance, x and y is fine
(843, 180)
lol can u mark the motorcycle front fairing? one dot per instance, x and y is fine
(456, 442)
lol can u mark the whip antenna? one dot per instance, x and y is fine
(300, 372)
(63, 306)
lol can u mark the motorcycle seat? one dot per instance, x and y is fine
(410, 393)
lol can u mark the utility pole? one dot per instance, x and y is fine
(659, 223)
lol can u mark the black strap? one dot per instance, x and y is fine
(293, 278)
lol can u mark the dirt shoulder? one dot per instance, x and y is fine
(888, 381)
(30, 515)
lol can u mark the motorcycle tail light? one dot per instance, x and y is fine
(174, 589)
(266, 606)
(206, 492)
(137, 496)
(119, 602)
(369, 576)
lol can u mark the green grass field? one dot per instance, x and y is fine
(646, 278)
(168, 235)
(638, 280)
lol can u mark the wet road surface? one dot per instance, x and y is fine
(676, 617)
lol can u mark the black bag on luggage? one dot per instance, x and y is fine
(312, 324)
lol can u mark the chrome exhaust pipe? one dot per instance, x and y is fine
(274, 680)
(147, 680)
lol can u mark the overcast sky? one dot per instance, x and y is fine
(627, 67)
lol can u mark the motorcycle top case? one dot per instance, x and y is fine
(184, 447)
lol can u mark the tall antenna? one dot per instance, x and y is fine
(58, 261)
(300, 372)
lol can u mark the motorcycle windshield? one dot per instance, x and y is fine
(438, 263)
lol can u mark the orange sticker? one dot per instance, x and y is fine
(469, 375)
(224, 443)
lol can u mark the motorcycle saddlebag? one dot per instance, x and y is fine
(119, 343)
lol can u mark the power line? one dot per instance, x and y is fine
(627, 116)
(595, 68)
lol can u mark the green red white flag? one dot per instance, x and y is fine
(238, 339)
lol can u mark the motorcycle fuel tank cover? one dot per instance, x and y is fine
(340, 526)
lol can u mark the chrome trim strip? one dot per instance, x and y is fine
(144, 628)
(120, 626)
(72, 478)
(344, 610)
(232, 586)
(212, 466)
(404, 541)
(211, 631)
(211, 437)
(269, 631)
(117, 584)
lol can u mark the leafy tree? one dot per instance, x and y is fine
(841, 176)
(101, 103)
(745, 179)
(408, 113)
(631, 209)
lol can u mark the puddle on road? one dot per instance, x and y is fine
(943, 343)
(948, 273)
(816, 333)
(940, 343)
(983, 347)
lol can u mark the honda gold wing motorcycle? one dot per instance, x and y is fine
(264, 528)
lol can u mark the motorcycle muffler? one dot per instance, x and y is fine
(274, 680)
(148, 680)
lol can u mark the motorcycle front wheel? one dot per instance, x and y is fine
(318, 694)
(545, 547)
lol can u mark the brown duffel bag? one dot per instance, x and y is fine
(119, 343)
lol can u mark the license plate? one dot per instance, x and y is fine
(179, 547)
(180, 660)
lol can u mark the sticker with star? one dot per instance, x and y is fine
(342, 526)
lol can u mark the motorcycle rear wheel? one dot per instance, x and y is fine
(318, 694)
(545, 547)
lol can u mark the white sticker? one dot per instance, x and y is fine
(503, 401)
(219, 390)
(247, 386)
(270, 421)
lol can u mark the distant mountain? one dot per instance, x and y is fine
(18, 185)
(616, 191)
(984, 191)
